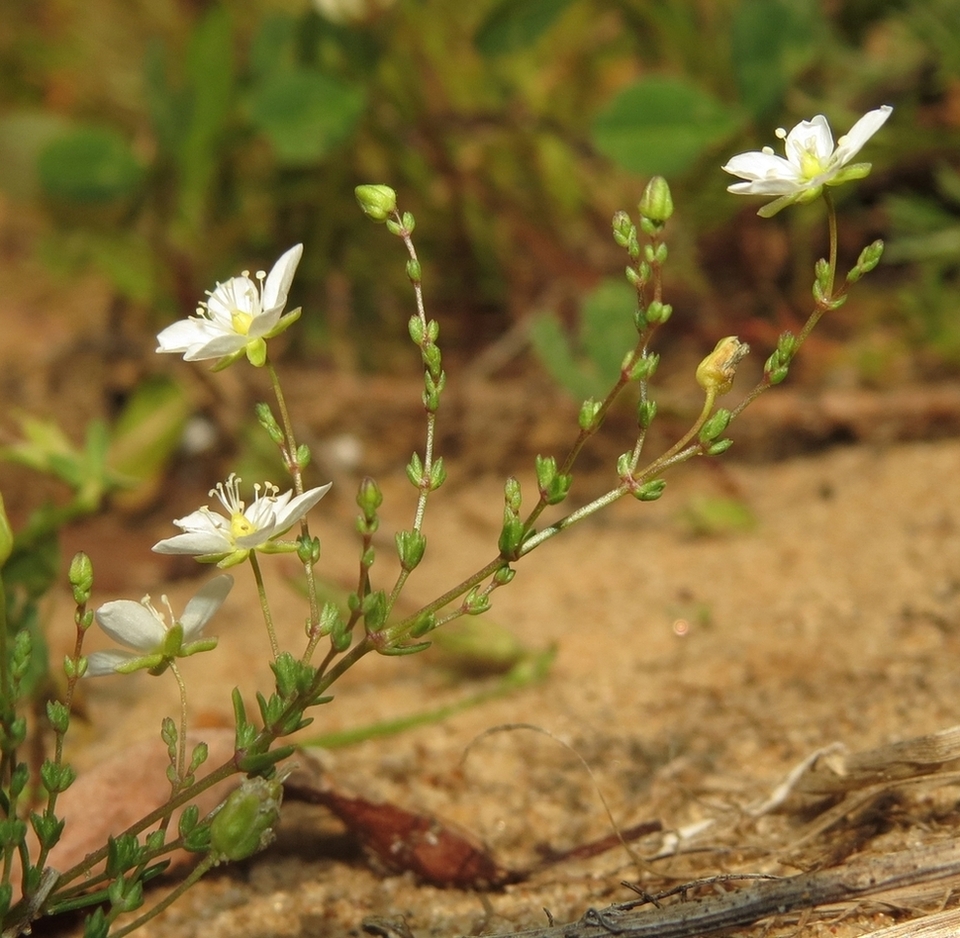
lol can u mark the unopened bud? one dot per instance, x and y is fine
(81, 577)
(715, 373)
(656, 203)
(377, 202)
(245, 823)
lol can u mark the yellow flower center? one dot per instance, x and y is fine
(241, 321)
(239, 525)
(810, 165)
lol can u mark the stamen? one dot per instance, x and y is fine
(228, 494)
(148, 605)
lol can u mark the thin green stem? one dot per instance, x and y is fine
(710, 398)
(264, 604)
(51, 806)
(424, 487)
(584, 511)
(203, 867)
(449, 596)
(293, 466)
(832, 226)
(223, 771)
(182, 740)
(585, 434)
(824, 304)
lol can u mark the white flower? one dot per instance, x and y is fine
(238, 318)
(155, 644)
(811, 163)
(211, 537)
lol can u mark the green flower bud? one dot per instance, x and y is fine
(511, 495)
(650, 491)
(377, 202)
(369, 497)
(438, 474)
(716, 371)
(721, 446)
(715, 426)
(869, 258)
(269, 423)
(245, 822)
(80, 577)
(646, 411)
(476, 602)
(410, 548)
(656, 203)
(511, 535)
(588, 414)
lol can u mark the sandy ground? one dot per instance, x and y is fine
(692, 673)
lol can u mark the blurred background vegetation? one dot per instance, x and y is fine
(162, 144)
(151, 147)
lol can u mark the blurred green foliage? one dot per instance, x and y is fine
(168, 140)
(590, 364)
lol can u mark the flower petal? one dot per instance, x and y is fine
(278, 281)
(186, 333)
(208, 599)
(238, 294)
(851, 143)
(766, 174)
(208, 541)
(216, 347)
(131, 624)
(107, 662)
(811, 137)
(288, 514)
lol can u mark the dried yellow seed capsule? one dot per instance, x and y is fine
(715, 373)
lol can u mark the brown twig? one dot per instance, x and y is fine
(705, 915)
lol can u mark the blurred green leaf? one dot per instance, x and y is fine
(23, 136)
(340, 48)
(607, 328)
(771, 41)
(210, 83)
(717, 516)
(88, 164)
(304, 114)
(479, 646)
(166, 107)
(552, 347)
(513, 25)
(128, 261)
(660, 126)
(273, 44)
(26, 579)
(606, 333)
(145, 436)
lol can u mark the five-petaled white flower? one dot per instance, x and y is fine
(155, 644)
(811, 162)
(238, 318)
(213, 538)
